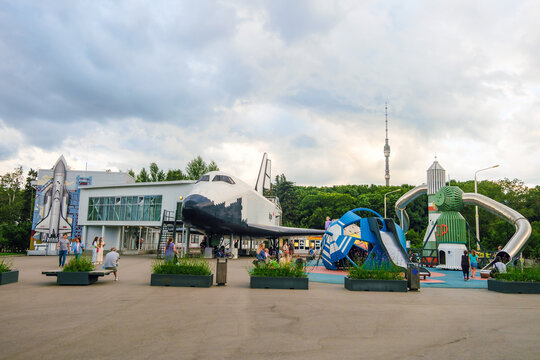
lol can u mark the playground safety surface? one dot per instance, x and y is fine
(130, 319)
(438, 279)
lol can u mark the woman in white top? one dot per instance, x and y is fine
(94, 250)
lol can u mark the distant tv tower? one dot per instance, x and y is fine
(386, 148)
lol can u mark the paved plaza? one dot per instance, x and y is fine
(129, 319)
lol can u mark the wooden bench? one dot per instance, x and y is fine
(424, 272)
(76, 278)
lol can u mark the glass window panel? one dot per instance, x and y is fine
(152, 215)
(110, 212)
(145, 212)
(128, 213)
(116, 212)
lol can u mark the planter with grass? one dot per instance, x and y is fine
(517, 281)
(278, 276)
(77, 272)
(185, 272)
(381, 279)
(7, 274)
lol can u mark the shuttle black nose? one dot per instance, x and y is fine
(193, 208)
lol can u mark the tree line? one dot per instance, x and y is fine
(308, 206)
(193, 171)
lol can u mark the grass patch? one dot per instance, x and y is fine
(527, 274)
(274, 269)
(384, 272)
(11, 254)
(79, 265)
(183, 266)
(5, 265)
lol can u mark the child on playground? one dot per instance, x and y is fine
(474, 263)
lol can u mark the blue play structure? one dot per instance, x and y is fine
(381, 238)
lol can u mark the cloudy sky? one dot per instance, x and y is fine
(119, 84)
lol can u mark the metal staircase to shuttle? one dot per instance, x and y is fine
(168, 229)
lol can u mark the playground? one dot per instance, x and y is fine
(131, 319)
(439, 278)
(363, 239)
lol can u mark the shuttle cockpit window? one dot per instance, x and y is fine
(203, 178)
(223, 178)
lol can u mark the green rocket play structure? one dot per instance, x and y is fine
(448, 234)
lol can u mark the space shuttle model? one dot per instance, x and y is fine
(54, 222)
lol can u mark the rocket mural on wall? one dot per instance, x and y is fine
(55, 223)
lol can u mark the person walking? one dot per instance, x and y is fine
(111, 262)
(170, 250)
(63, 249)
(465, 265)
(77, 248)
(474, 263)
(100, 249)
(94, 250)
(291, 249)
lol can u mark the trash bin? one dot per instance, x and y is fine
(221, 271)
(413, 278)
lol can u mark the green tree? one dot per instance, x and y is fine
(196, 168)
(284, 190)
(143, 176)
(175, 174)
(155, 173)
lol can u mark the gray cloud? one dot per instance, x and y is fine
(139, 82)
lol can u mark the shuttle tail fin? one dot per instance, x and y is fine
(265, 177)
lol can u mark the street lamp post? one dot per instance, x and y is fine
(385, 200)
(476, 207)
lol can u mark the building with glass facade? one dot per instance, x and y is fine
(129, 216)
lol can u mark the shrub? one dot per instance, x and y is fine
(79, 265)
(383, 272)
(5, 265)
(531, 274)
(274, 269)
(183, 266)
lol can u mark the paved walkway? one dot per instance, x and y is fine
(131, 320)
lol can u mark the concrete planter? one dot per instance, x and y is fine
(76, 278)
(9, 277)
(262, 282)
(182, 280)
(376, 285)
(514, 287)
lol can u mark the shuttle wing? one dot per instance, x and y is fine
(44, 224)
(269, 230)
